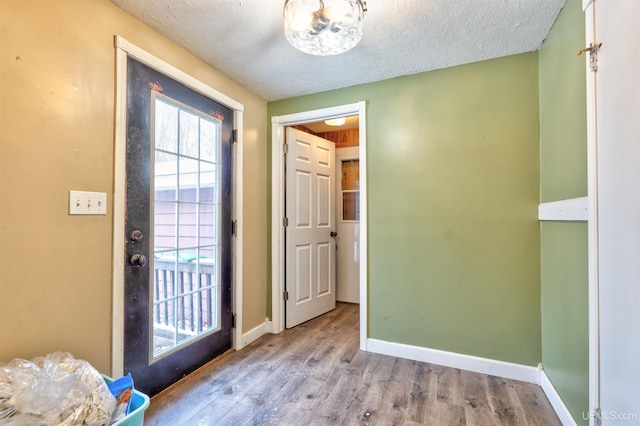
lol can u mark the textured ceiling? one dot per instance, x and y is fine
(244, 39)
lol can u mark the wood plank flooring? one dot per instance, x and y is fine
(314, 374)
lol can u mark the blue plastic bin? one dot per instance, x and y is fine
(139, 403)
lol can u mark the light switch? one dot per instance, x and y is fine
(83, 202)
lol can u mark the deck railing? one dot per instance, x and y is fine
(185, 297)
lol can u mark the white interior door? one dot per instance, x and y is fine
(348, 224)
(614, 109)
(310, 210)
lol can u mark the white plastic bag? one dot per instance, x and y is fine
(56, 389)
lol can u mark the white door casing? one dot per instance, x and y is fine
(613, 105)
(125, 49)
(310, 209)
(279, 123)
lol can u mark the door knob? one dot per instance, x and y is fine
(138, 260)
(334, 234)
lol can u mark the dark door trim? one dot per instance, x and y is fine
(124, 50)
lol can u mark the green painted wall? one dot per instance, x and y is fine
(453, 180)
(563, 119)
(564, 246)
(565, 332)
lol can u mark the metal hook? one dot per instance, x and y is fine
(591, 48)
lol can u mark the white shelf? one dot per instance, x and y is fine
(573, 209)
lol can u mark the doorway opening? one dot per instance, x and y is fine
(279, 125)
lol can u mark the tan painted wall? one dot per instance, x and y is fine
(57, 97)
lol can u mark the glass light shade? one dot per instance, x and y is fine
(335, 121)
(323, 27)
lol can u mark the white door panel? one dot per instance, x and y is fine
(324, 203)
(310, 248)
(348, 263)
(303, 195)
(324, 269)
(303, 273)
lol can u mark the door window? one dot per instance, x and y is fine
(185, 208)
(350, 190)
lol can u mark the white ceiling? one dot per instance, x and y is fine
(244, 39)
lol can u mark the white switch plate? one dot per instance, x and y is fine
(83, 202)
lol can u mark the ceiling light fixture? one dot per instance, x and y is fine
(323, 27)
(335, 121)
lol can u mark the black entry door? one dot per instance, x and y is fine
(178, 266)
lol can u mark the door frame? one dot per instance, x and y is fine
(125, 49)
(278, 124)
(593, 220)
(608, 140)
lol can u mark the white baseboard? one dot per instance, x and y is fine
(451, 359)
(556, 402)
(256, 333)
(492, 367)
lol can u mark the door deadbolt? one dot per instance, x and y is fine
(138, 260)
(136, 235)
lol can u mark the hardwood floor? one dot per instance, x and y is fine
(314, 374)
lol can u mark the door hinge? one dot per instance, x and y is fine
(234, 228)
(597, 414)
(235, 136)
(593, 55)
(285, 148)
(233, 320)
(285, 295)
(285, 221)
